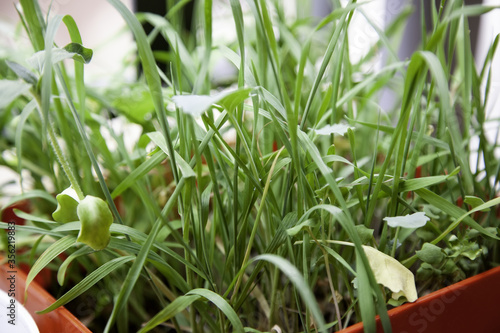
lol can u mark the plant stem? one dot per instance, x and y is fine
(329, 275)
(59, 153)
(395, 245)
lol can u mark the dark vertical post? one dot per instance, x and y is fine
(159, 44)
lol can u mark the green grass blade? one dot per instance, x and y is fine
(298, 281)
(33, 230)
(418, 183)
(177, 306)
(139, 172)
(47, 256)
(222, 304)
(61, 272)
(135, 270)
(454, 211)
(46, 88)
(90, 280)
(34, 23)
(152, 77)
(187, 171)
(74, 34)
(19, 137)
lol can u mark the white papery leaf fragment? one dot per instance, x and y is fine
(196, 105)
(37, 61)
(415, 220)
(339, 129)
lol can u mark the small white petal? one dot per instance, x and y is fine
(415, 220)
(339, 129)
(70, 191)
(194, 105)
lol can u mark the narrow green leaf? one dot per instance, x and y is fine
(31, 217)
(135, 270)
(159, 140)
(163, 267)
(61, 272)
(471, 10)
(456, 212)
(235, 59)
(34, 23)
(47, 73)
(22, 72)
(178, 305)
(32, 230)
(47, 256)
(298, 281)
(88, 282)
(222, 304)
(340, 259)
(28, 109)
(418, 183)
(139, 172)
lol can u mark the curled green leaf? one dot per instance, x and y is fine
(80, 53)
(431, 254)
(475, 202)
(96, 219)
(67, 202)
(364, 233)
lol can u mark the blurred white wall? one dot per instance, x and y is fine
(489, 28)
(101, 28)
(362, 36)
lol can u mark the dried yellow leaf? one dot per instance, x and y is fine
(392, 274)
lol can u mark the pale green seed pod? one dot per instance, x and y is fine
(96, 219)
(67, 201)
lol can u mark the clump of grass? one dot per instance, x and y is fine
(212, 234)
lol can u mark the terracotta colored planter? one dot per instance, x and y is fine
(59, 320)
(467, 306)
